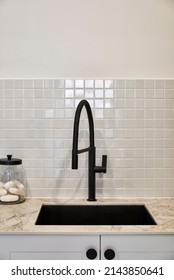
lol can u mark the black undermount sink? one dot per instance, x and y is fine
(94, 215)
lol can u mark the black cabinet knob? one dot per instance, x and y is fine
(109, 254)
(91, 254)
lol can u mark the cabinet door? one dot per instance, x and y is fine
(47, 247)
(138, 247)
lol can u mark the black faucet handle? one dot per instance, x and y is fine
(104, 163)
(74, 160)
(102, 169)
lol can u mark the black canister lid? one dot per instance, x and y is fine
(10, 161)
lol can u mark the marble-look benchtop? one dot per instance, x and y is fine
(20, 218)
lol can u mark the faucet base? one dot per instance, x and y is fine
(91, 199)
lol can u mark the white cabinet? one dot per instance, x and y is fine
(77, 247)
(47, 247)
(138, 246)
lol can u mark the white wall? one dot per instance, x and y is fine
(87, 38)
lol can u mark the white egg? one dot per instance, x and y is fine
(18, 184)
(3, 191)
(9, 184)
(9, 198)
(16, 191)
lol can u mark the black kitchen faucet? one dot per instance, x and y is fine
(92, 169)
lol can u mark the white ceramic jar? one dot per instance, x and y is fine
(12, 181)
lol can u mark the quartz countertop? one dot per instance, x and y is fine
(20, 218)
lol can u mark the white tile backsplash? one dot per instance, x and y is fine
(134, 126)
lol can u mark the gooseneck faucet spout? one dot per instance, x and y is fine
(92, 169)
